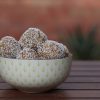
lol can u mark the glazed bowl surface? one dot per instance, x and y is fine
(34, 76)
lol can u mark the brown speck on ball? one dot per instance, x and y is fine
(27, 54)
(32, 37)
(9, 47)
(51, 50)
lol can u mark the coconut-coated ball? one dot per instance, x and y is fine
(28, 54)
(51, 50)
(31, 37)
(9, 47)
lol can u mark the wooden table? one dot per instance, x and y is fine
(82, 84)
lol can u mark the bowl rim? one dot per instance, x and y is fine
(69, 56)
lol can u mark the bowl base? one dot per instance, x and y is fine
(40, 90)
(25, 91)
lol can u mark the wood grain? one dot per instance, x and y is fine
(83, 79)
(53, 93)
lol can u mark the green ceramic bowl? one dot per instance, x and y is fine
(34, 76)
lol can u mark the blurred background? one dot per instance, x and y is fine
(76, 23)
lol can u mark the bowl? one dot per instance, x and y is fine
(34, 76)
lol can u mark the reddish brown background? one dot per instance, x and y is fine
(54, 17)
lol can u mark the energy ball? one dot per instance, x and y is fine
(9, 47)
(28, 54)
(32, 37)
(51, 50)
(64, 47)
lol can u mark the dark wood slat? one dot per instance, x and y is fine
(68, 86)
(85, 73)
(53, 94)
(47, 99)
(6, 86)
(82, 63)
(80, 86)
(84, 68)
(83, 79)
(1, 81)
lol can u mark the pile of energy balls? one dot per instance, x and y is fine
(33, 44)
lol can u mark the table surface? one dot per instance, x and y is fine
(83, 83)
